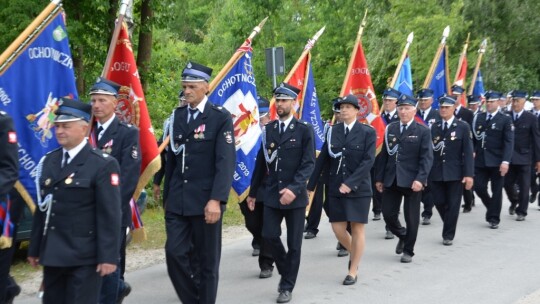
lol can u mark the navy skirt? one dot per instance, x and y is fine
(349, 209)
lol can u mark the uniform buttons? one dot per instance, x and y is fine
(279, 158)
(280, 182)
(52, 214)
(187, 139)
(76, 183)
(444, 160)
(186, 167)
(185, 181)
(343, 149)
(52, 228)
(279, 170)
(55, 188)
(279, 148)
(54, 201)
(344, 165)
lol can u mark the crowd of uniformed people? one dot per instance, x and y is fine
(431, 157)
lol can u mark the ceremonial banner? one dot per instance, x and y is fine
(358, 82)
(439, 82)
(404, 79)
(310, 111)
(237, 92)
(34, 75)
(132, 109)
(479, 85)
(461, 80)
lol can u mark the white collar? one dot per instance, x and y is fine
(518, 114)
(348, 126)
(106, 124)
(450, 121)
(201, 104)
(287, 121)
(391, 114)
(408, 124)
(74, 151)
(426, 112)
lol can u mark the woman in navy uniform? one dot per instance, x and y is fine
(453, 165)
(349, 150)
(402, 172)
(200, 167)
(288, 155)
(75, 228)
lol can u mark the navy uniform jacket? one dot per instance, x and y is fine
(466, 115)
(498, 144)
(526, 139)
(9, 156)
(85, 211)
(432, 117)
(354, 165)
(391, 119)
(413, 158)
(456, 160)
(126, 150)
(209, 161)
(295, 160)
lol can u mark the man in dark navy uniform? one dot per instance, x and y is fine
(493, 134)
(402, 172)
(429, 116)
(254, 218)
(525, 157)
(461, 112)
(453, 165)
(288, 155)
(535, 99)
(200, 168)
(76, 224)
(121, 141)
(9, 173)
(474, 103)
(389, 115)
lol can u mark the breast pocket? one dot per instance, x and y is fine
(76, 187)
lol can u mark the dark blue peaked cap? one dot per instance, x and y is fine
(405, 99)
(105, 87)
(286, 91)
(195, 72)
(446, 100)
(72, 110)
(390, 93)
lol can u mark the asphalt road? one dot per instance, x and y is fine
(483, 266)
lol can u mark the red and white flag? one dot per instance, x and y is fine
(358, 82)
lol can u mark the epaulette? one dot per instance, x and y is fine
(218, 108)
(59, 148)
(100, 153)
(3, 113)
(302, 122)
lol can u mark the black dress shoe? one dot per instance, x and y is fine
(512, 210)
(350, 280)
(256, 252)
(310, 235)
(342, 253)
(265, 273)
(389, 235)
(532, 198)
(466, 209)
(124, 293)
(399, 247)
(426, 220)
(493, 225)
(285, 296)
(406, 258)
(377, 217)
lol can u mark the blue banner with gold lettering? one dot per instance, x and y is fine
(237, 92)
(310, 108)
(32, 81)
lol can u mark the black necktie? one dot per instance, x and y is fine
(346, 131)
(516, 117)
(445, 127)
(282, 128)
(422, 113)
(403, 128)
(192, 113)
(98, 134)
(66, 159)
(488, 119)
(387, 116)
